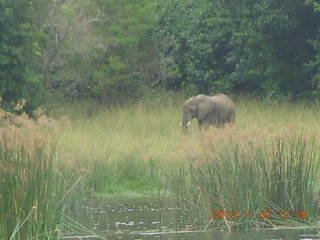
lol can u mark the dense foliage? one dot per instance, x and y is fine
(243, 46)
(115, 51)
(20, 52)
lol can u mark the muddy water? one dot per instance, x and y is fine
(135, 218)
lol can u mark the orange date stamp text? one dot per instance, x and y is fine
(262, 215)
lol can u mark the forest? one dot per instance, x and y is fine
(116, 52)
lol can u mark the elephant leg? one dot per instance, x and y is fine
(199, 126)
(206, 121)
(203, 124)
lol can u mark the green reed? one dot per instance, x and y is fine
(246, 185)
(34, 192)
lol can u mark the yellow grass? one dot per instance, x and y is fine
(87, 132)
(154, 132)
(122, 132)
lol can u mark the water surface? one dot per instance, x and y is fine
(135, 218)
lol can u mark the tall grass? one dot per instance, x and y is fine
(124, 148)
(34, 190)
(249, 183)
(149, 129)
(266, 162)
(152, 130)
(35, 184)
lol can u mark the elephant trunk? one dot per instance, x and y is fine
(185, 124)
(185, 128)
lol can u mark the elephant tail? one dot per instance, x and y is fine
(233, 118)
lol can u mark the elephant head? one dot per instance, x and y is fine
(216, 110)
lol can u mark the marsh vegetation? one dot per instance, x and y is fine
(268, 161)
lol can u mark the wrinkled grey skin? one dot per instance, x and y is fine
(216, 110)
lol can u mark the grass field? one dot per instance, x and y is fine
(154, 131)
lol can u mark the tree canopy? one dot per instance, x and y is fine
(248, 46)
(115, 51)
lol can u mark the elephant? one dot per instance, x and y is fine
(216, 110)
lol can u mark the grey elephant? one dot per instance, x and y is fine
(216, 110)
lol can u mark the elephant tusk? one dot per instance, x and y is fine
(187, 124)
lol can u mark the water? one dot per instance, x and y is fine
(141, 218)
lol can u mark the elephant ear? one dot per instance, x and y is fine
(205, 107)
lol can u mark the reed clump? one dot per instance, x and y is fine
(21, 130)
(242, 180)
(35, 185)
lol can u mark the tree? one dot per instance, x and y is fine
(193, 43)
(20, 77)
(273, 39)
(69, 48)
(313, 66)
(98, 49)
(127, 63)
